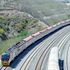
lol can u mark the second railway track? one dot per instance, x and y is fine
(24, 67)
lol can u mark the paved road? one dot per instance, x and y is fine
(37, 58)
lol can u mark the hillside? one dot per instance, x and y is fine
(44, 8)
(15, 26)
(48, 11)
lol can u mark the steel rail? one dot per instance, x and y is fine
(29, 60)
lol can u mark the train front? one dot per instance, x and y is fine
(5, 59)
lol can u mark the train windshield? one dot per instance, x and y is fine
(5, 57)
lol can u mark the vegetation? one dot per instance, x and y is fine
(14, 29)
(41, 8)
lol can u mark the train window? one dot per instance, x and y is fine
(17, 43)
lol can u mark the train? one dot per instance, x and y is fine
(16, 49)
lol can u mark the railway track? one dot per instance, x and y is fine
(64, 56)
(68, 57)
(25, 67)
(43, 56)
(3, 68)
(42, 45)
(27, 61)
(44, 63)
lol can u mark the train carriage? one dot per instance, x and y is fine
(36, 36)
(43, 32)
(28, 40)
